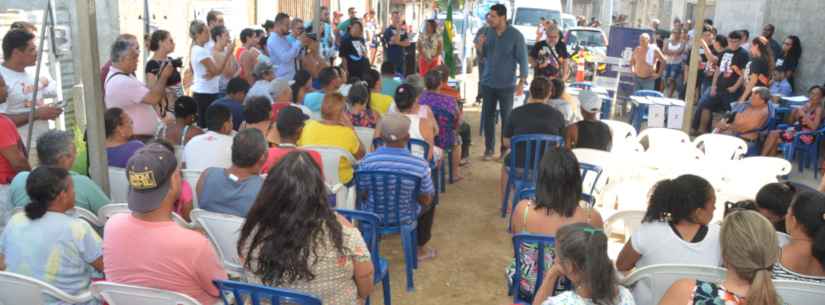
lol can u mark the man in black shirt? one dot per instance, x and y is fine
(549, 57)
(727, 82)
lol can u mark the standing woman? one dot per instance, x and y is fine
(222, 52)
(788, 60)
(761, 66)
(161, 45)
(354, 52)
(429, 46)
(371, 29)
(205, 70)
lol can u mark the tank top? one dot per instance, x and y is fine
(222, 193)
(593, 135)
(415, 133)
(673, 47)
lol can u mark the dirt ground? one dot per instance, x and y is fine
(471, 239)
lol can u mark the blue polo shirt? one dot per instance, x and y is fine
(235, 107)
(399, 160)
(501, 54)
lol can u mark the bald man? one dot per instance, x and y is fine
(643, 64)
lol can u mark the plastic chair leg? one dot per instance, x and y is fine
(410, 256)
(506, 197)
(450, 164)
(443, 173)
(385, 282)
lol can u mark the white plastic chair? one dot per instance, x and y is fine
(365, 135)
(623, 223)
(223, 231)
(800, 293)
(770, 166)
(598, 158)
(179, 153)
(331, 156)
(672, 142)
(21, 289)
(107, 211)
(721, 147)
(649, 284)
(81, 213)
(121, 294)
(118, 184)
(191, 176)
(624, 135)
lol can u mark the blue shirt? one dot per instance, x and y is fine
(395, 52)
(222, 194)
(389, 84)
(235, 107)
(501, 54)
(314, 100)
(282, 54)
(399, 160)
(782, 88)
(119, 155)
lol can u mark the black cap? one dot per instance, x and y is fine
(291, 117)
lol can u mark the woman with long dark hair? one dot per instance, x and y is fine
(429, 46)
(788, 59)
(161, 44)
(761, 66)
(293, 239)
(803, 259)
(44, 242)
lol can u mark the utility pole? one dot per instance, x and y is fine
(92, 92)
(690, 95)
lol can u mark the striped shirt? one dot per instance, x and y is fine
(780, 272)
(399, 159)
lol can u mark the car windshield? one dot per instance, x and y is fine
(532, 16)
(568, 23)
(586, 38)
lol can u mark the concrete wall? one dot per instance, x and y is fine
(798, 17)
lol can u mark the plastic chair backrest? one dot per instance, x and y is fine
(21, 289)
(651, 93)
(526, 193)
(649, 284)
(234, 292)
(107, 211)
(623, 134)
(86, 215)
(772, 166)
(665, 140)
(800, 293)
(416, 147)
(592, 181)
(365, 135)
(367, 223)
(331, 157)
(121, 294)
(118, 184)
(721, 147)
(389, 194)
(624, 223)
(541, 242)
(223, 231)
(532, 148)
(191, 176)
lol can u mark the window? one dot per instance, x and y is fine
(532, 16)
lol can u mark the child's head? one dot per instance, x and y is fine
(778, 75)
(582, 252)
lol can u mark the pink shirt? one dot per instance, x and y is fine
(127, 92)
(160, 255)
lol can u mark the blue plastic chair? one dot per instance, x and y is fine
(393, 196)
(808, 154)
(421, 145)
(368, 225)
(240, 292)
(581, 85)
(527, 192)
(588, 170)
(638, 113)
(540, 241)
(524, 173)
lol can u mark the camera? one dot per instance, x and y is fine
(177, 62)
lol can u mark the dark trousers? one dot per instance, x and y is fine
(503, 97)
(718, 103)
(464, 132)
(203, 100)
(425, 224)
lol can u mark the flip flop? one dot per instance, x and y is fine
(430, 255)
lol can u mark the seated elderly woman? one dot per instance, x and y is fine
(66, 246)
(293, 239)
(119, 131)
(334, 129)
(805, 118)
(747, 118)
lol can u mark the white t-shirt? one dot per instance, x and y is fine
(658, 244)
(571, 298)
(20, 88)
(260, 88)
(201, 84)
(210, 149)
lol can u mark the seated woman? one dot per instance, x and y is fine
(773, 200)
(118, 132)
(293, 239)
(675, 227)
(803, 259)
(748, 279)
(183, 128)
(581, 256)
(65, 246)
(360, 112)
(334, 129)
(589, 132)
(406, 99)
(447, 117)
(805, 118)
(563, 102)
(558, 203)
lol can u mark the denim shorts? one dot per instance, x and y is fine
(673, 71)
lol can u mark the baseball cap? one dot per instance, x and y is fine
(261, 68)
(589, 101)
(148, 172)
(277, 86)
(291, 117)
(394, 126)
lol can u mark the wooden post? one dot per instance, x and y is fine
(690, 94)
(92, 92)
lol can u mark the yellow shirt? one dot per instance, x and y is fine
(316, 133)
(380, 102)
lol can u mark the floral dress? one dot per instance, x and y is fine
(365, 118)
(707, 293)
(529, 258)
(445, 110)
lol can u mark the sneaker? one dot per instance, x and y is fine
(488, 157)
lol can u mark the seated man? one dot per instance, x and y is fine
(394, 156)
(213, 148)
(146, 248)
(56, 148)
(257, 112)
(330, 83)
(590, 132)
(233, 190)
(235, 94)
(290, 124)
(748, 118)
(334, 130)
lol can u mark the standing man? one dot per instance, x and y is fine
(344, 26)
(501, 47)
(643, 62)
(767, 31)
(213, 18)
(396, 39)
(328, 50)
(282, 53)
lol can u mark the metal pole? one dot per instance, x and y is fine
(46, 19)
(690, 95)
(316, 18)
(92, 91)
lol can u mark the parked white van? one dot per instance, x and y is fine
(526, 15)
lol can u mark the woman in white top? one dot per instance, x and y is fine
(564, 103)
(220, 35)
(803, 259)
(205, 70)
(675, 228)
(673, 50)
(406, 98)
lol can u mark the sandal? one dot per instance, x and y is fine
(430, 255)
